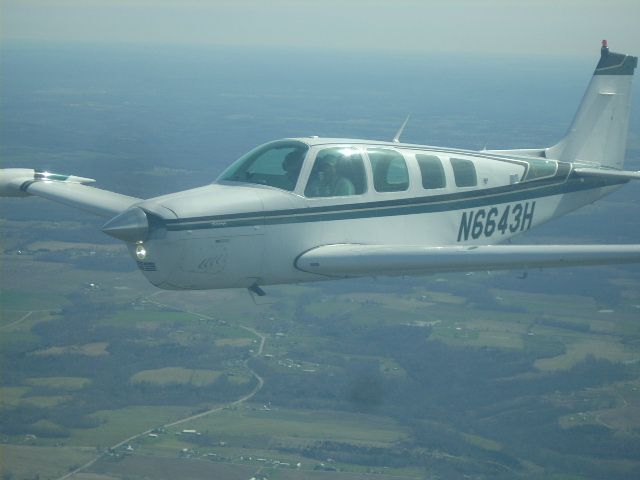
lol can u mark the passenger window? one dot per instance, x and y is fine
(337, 172)
(432, 171)
(389, 170)
(464, 172)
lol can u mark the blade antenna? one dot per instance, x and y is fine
(396, 139)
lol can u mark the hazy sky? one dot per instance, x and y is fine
(501, 26)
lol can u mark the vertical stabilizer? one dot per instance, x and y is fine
(598, 133)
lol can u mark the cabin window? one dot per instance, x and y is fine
(337, 172)
(389, 170)
(276, 164)
(432, 171)
(464, 172)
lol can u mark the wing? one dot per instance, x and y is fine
(66, 189)
(349, 260)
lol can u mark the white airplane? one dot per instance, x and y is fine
(309, 209)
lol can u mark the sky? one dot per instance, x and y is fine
(562, 27)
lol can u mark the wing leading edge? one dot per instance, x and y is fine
(349, 260)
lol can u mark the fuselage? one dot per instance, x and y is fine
(250, 225)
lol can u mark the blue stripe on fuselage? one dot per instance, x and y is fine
(406, 206)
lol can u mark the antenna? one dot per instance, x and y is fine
(396, 139)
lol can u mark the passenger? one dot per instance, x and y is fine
(292, 164)
(327, 182)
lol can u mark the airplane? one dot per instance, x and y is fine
(308, 209)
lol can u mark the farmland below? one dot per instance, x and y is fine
(399, 377)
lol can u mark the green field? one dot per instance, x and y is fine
(44, 401)
(116, 425)
(23, 461)
(95, 349)
(255, 436)
(139, 466)
(150, 318)
(301, 426)
(176, 375)
(12, 396)
(21, 321)
(25, 301)
(59, 383)
(578, 347)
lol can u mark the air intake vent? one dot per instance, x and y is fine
(147, 266)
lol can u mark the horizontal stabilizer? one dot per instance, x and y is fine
(606, 173)
(66, 189)
(349, 260)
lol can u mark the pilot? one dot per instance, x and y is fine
(292, 164)
(328, 183)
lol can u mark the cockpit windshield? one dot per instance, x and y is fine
(276, 164)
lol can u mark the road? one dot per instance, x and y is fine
(239, 401)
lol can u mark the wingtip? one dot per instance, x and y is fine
(74, 179)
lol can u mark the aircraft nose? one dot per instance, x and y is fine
(131, 225)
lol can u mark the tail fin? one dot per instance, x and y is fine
(598, 133)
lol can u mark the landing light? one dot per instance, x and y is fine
(141, 252)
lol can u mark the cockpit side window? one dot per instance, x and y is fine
(390, 172)
(337, 172)
(276, 164)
